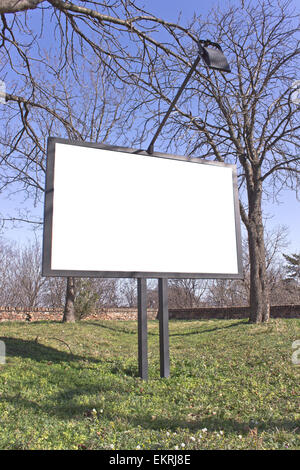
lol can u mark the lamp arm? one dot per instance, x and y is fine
(184, 83)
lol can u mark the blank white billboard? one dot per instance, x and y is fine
(111, 212)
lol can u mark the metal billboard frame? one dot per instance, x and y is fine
(163, 313)
(48, 218)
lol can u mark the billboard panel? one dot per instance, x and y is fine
(118, 212)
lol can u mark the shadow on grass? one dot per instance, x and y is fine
(115, 329)
(16, 347)
(61, 406)
(213, 424)
(195, 332)
(64, 404)
(210, 330)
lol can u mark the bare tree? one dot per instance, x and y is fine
(54, 292)
(77, 114)
(92, 294)
(227, 293)
(186, 292)
(127, 292)
(237, 293)
(247, 119)
(28, 276)
(21, 282)
(7, 269)
(86, 116)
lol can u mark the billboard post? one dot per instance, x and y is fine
(163, 316)
(142, 328)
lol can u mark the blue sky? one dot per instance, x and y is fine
(287, 212)
(169, 9)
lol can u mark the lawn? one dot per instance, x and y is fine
(75, 386)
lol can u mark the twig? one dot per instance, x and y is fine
(57, 339)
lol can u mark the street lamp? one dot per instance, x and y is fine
(212, 55)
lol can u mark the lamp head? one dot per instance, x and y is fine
(213, 56)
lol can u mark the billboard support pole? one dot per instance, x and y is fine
(142, 328)
(163, 314)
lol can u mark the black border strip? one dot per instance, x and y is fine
(48, 214)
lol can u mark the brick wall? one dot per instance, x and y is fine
(276, 311)
(36, 314)
(40, 313)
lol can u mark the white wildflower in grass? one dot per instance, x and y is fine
(138, 447)
(101, 411)
(176, 447)
(112, 446)
(204, 430)
(240, 436)
(182, 444)
(221, 433)
(193, 438)
(168, 434)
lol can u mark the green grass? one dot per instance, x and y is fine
(75, 386)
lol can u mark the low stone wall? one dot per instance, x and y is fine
(33, 314)
(54, 314)
(285, 311)
(120, 314)
(203, 313)
(276, 311)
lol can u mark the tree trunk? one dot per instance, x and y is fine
(69, 311)
(259, 294)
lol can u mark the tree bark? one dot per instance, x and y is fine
(13, 6)
(259, 294)
(69, 311)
